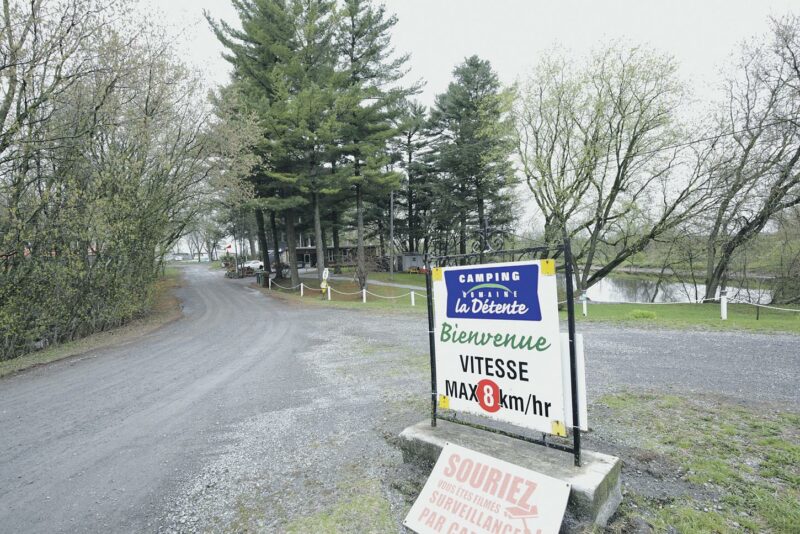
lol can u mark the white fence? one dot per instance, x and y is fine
(411, 294)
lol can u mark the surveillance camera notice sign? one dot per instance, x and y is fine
(497, 343)
(469, 492)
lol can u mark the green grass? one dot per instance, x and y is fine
(749, 457)
(695, 316)
(408, 279)
(677, 316)
(641, 314)
(363, 513)
(165, 308)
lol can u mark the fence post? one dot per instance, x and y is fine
(585, 307)
(328, 291)
(269, 281)
(412, 298)
(364, 295)
(301, 289)
(723, 304)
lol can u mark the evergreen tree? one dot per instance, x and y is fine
(307, 122)
(265, 41)
(474, 143)
(409, 149)
(284, 62)
(366, 104)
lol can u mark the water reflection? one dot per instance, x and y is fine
(630, 289)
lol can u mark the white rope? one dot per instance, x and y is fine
(765, 306)
(383, 297)
(699, 301)
(342, 292)
(286, 288)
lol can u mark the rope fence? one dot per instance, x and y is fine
(329, 290)
(722, 299)
(795, 310)
(413, 294)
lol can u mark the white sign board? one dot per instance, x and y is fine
(498, 348)
(325, 273)
(469, 492)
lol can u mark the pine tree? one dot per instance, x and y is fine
(474, 143)
(366, 103)
(409, 147)
(307, 118)
(284, 62)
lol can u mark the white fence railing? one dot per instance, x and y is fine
(330, 290)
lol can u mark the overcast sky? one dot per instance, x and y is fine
(512, 34)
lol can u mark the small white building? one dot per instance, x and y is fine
(412, 260)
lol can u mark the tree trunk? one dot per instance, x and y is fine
(291, 245)
(252, 244)
(483, 226)
(337, 255)
(412, 235)
(462, 232)
(325, 245)
(275, 244)
(318, 238)
(462, 224)
(381, 240)
(361, 265)
(262, 245)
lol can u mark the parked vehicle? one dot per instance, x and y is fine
(256, 265)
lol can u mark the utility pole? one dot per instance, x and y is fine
(391, 234)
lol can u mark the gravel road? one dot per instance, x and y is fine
(256, 414)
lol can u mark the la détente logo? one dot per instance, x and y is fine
(509, 293)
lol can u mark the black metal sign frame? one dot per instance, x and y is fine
(530, 253)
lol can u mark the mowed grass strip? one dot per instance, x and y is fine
(695, 316)
(749, 457)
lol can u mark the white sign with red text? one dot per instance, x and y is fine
(470, 492)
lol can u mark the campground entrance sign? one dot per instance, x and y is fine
(495, 346)
(497, 343)
(497, 352)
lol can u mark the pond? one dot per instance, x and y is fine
(634, 289)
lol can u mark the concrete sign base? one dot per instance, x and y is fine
(596, 488)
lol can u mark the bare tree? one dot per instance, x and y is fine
(757, 162)
(598, 145)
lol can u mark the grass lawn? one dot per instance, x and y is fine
(741, 465)
(165, 308)
(703, 316)
(408, 279)
(676, 316)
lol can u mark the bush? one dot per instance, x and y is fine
(642, 314)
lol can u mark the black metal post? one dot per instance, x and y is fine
(431, 337)
(576, 431)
